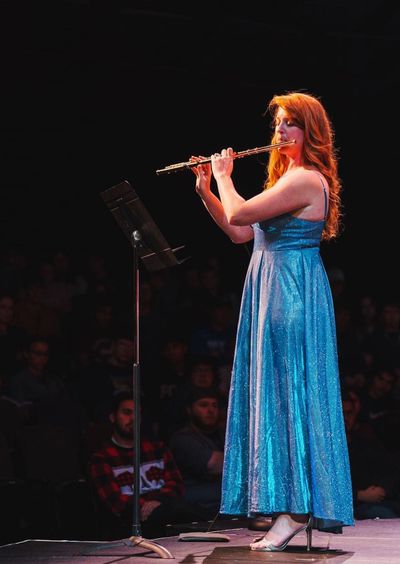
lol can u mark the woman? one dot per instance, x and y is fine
(286, 452)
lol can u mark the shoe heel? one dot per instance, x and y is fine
(309, 538)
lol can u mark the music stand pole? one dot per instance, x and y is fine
(136, 539)
(136, 237)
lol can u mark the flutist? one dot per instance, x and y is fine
(285, 452)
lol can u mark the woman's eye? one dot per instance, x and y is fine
(287, 122)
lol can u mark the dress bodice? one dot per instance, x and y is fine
(287, 232)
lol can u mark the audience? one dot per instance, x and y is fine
(12, 417)
(99, 381)
(160, 391)
(201, 374)
(161, 499)
(379, 408)
(34, 317)
(91, 338)
(41, 393)
(384, 342)
(12, 338)
(375, 472)
(67, 354)
(216, 336)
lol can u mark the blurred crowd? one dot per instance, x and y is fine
(67, 348)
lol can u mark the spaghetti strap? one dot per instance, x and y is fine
(325, 195)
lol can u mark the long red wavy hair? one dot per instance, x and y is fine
(318, 150)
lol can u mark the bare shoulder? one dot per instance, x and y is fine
(308, 177)
(313, 184)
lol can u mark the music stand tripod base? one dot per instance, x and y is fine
(153, 546)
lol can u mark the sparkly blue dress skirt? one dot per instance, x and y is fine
(286, 448)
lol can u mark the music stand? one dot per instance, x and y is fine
(151, 247)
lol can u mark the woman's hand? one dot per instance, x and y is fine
(222, 163)
(203, 175)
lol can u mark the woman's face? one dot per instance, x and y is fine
(286, 129)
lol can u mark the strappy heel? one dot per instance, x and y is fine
(307, 527)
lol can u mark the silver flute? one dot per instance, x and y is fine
(247, 153)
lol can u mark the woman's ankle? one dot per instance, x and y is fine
(299, 517)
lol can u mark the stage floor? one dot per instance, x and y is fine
(369, 541)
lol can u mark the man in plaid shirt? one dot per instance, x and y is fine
(161, 492)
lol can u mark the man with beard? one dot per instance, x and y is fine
(161, 498)
(199, 449)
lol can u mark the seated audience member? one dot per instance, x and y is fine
(34, 317)
(379, 408)
(354, 381)
(161, 498)
(152, 328)
(53, 293)
(350, 352)
(14, 269)
(66, 274)
(189, 310)
(198, 449)
(375, 472)
(92, 335)
(216, 337)
(160, 390)
(338, 284)
(101, 380)
(367, 315)
(201, 373)
(12, 338)
(384, 342)
(11, 416)
(39, 388)
(100, 281)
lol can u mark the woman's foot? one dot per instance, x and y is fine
(260, 523)
(283, 528)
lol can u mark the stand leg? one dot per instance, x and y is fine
(142, 543)
(151, 545)
(136, 539)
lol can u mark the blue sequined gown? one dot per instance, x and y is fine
(286, 448)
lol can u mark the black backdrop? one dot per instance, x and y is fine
(98, 92)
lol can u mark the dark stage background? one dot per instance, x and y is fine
(98, 92)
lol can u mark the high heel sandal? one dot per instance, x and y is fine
(278, 548)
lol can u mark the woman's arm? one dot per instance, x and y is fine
(296, 191)
(237, 234)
